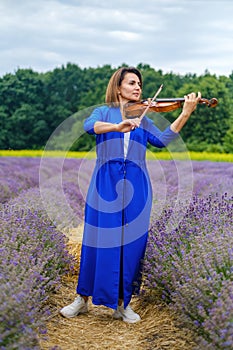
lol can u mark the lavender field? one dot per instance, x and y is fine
(189, 259)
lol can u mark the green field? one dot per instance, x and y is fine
(164, 155)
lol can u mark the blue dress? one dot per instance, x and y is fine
(117, 210)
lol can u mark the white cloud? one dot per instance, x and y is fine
(124, 35)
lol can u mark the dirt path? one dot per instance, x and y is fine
(98, 330)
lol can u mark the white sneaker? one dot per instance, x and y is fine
(79, 306)
(127, 314)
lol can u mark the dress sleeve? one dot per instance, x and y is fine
(89, 123)
(159, 138)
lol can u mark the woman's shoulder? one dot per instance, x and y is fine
(106, 110)
(102, 108)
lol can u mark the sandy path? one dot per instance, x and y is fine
(98, 330)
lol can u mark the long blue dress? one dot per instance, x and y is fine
(117, 210)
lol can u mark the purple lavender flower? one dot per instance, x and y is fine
(189, 256)
(33, 256)
(191, 264)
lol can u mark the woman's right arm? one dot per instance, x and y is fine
(95, 124)
(124, 126)
(103, 127)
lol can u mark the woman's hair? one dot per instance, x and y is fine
(112, 96)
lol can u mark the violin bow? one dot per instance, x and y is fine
(151, 101)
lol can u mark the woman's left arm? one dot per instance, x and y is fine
(189, 107)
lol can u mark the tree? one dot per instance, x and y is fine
(34, 105)
(27, 128)
(4, 126)
(207, 126)
(228, 141)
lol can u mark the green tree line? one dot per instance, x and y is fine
(33, 105)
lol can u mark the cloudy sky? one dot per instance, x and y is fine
(180, 36)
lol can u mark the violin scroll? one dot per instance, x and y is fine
(209, 103)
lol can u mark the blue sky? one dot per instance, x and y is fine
(180, 36)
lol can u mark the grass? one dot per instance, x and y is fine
(163, 155)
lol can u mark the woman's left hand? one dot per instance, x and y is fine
(190, 104)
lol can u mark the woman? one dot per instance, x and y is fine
(119, 198)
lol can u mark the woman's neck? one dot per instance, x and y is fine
(122, 109)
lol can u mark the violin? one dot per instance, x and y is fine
(135, 109)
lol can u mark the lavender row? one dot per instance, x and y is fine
(202, 178)
(33, 251)
(17, 174)
(191, 265)
(21, 173)
(175, 178)
(33, 257)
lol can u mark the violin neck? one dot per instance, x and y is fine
(179, 99)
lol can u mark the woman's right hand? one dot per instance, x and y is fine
(128, 124)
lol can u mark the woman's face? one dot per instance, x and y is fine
(130, 89)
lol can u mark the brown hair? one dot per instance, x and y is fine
(112, 96)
